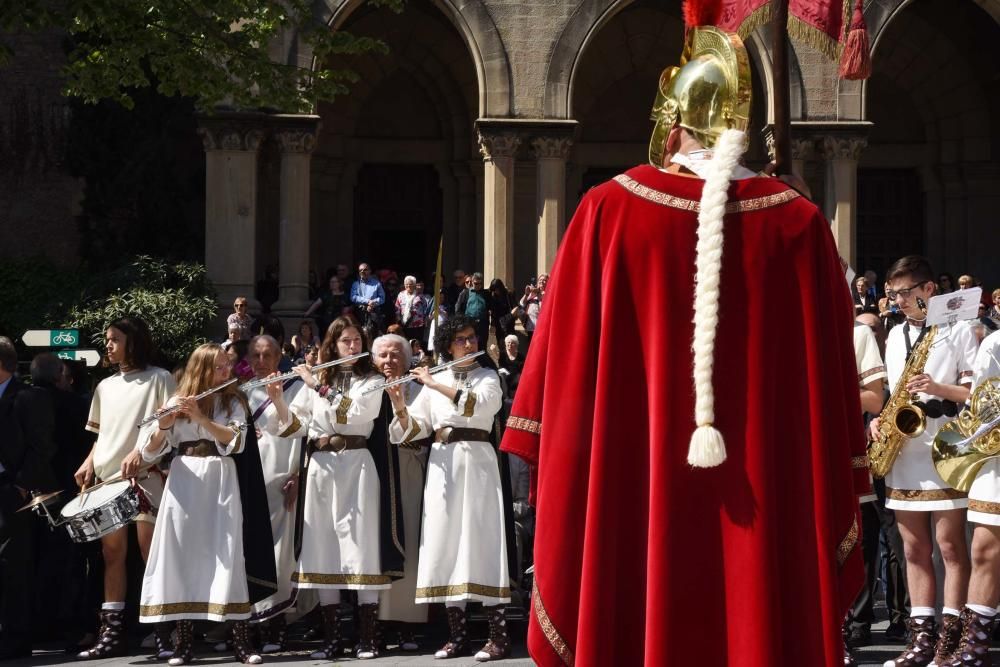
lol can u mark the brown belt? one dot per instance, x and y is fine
(339, 443)
(198, 448)
(418, 444)
(449, 434)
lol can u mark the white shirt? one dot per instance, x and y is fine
(950, 360)
(987, 363)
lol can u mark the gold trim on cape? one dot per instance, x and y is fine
(524, 424)
(983, 506)
(460, 589)
(693, 205)
(924, 494)
(345, 579)
(848, 543)
(556, 641)
(215, 608)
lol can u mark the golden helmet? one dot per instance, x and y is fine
(708, 94)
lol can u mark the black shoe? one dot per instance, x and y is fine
(858, 635)
(896, 632)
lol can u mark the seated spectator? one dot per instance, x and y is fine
(994, 311)
(306, 337)
(864, 300)
(418, 355)
(239, 319)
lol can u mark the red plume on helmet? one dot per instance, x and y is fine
(702, 12)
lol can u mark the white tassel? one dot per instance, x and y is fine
(708, 448)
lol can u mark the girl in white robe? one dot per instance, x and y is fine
(196, 567)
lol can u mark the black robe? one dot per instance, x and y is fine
(258, 543)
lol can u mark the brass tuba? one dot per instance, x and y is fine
(962, 446)
(900, 419)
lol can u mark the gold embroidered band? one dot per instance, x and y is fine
(556, 641)
(470, 405)
(461, 589)
(344, 579)
(859, 462)
(848, 543)
(345, 405)
(871, 371)
(924, 494)
(93, 425)
(694, 205)
(983, 506)
(524, 424)
(214, 608)
(292, 428)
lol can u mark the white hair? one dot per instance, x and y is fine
(394, 339)
(410, 279)
(271, 341)
(708, 448)
(511, 338)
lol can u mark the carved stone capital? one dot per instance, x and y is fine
(803, 149)
(843, 148)
(498, 144)
(551, 147)
(296, 141)
(226, 137)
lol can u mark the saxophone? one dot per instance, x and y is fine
(900, 419)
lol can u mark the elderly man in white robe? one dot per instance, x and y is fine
(392, 357)
(280, 454)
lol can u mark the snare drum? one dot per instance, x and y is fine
(94, 514)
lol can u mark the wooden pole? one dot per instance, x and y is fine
(779, 75)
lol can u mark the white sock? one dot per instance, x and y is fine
(917, 612)
(982, 610)
(367, 597)
(329, 596)
(948, 611)
(458, 603)
(113, 606)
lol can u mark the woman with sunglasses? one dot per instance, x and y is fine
(463, 545)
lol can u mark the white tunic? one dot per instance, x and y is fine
(120, 402)
(340, 536)
(463, 545)
(913, 483)
(398, 603)
(195, 568)
(870, 368)
(984, 496)
(279, 460)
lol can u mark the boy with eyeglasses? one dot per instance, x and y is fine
(914, 490)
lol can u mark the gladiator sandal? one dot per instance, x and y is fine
(974, 646)
(849, 660)
(161, 636)
(110, 638)
(499, 644)
(458, 641)
(367, 647)
(923, 640)
(331, 631)
(277, 633)
(949, 635)
(183, 651)
(244, 650)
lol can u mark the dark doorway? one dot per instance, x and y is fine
(397, 218)
(890, 217)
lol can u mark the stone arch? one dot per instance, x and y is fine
(473, 22)
(588, 20)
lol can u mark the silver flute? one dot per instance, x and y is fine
(410, 377)
(163, 412)
(262, 382)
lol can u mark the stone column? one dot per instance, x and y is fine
(232, 145)
(842, 153)
(498, 148)
(802, 150)
(550, 198)
(296, 142)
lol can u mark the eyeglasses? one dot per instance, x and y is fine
(465, 340)
(905, 293)
(240, 305)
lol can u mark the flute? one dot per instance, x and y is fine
(163, 412)
(437, 369)
(253, 384)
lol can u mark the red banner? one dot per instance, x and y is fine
(820, 23)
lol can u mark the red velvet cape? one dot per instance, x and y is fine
(641, 559)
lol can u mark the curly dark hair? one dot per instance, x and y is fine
(445, 334)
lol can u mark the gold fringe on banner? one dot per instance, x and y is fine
(800, 30)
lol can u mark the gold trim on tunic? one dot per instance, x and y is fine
(871, 371)
(555, 640)
(470, 405)
(983, 506)
(345, 579)
(693, 205)
(345, 405)
(292, 428)
(848, 543)
(262, 582)
(216, 608)
(414, 431)
(93, 425)
(524, 424)
(924, 494)
(460, 589)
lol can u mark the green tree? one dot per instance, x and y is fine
(175, 299)
(213, 51)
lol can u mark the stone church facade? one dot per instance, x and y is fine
(488, 119)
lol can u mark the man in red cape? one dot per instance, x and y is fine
(696, 503)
